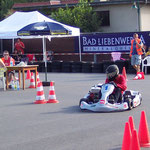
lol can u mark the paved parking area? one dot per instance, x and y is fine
(63, 126)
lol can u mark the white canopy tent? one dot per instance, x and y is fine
(18, 20)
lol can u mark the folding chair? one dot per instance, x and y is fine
(2, 78)
(116, 56)
(145, 63)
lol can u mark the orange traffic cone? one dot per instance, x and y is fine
(142, 73)
(143, 132)
(28, 75)
(131, 123)
(52, 96)
(38, 78)
(127, 137)
(139, 76)
(134, 141)
(124, 73)
(32, 81)
(40, 98)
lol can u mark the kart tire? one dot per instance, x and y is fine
(83, 100)
(129, 102)
(140, 100)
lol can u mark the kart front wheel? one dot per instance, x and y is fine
(83, 100)
(129, 102)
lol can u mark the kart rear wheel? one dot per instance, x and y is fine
(129, 102)
(140, 99)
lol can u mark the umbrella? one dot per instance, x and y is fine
(44, 29)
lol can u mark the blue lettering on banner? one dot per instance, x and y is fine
(111, 42)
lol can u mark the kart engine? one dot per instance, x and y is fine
(95, 93)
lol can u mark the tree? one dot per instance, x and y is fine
(4, 8)
(6, 5)
(81, 16)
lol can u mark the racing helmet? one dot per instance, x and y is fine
(112, 72)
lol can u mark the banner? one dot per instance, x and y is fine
(111, 42)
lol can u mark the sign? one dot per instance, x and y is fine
(111, 42)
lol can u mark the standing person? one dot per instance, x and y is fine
(19, 46)
(136, 55)
(148, 52)
(9, 61)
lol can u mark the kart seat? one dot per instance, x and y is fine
(127, 93)
(111, 99)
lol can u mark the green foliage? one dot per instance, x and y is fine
(81, 16)
(4, 7)
(25, 1)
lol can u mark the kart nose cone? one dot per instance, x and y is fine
(102, 101)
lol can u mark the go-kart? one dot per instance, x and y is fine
(100, 99)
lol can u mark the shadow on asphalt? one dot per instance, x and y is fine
(20, 104)
(119, 148)
(77, 110)
(69, 110)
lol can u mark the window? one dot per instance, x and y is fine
(104, 16)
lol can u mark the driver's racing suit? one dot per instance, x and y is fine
(121, 86)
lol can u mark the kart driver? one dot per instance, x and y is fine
(118, 80)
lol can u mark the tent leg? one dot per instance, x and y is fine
(80, 49)
(45, 83)
(46, 73)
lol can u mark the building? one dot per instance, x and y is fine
(117, 16)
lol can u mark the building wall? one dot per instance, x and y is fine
(145, 15)
(124, 18)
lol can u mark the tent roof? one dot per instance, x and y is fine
(18, 20)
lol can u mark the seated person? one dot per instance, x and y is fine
(31, 57)
(2, 65)
(113, 75)
(50, 55)
(20, 55)
(148, 52)
(15, 55)
(9, 61)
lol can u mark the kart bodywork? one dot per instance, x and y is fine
(99, 100)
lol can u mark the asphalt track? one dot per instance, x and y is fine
(63, 126)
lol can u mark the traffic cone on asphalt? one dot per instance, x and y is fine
(124, 73)
(143, 132)
(32, 81)
(52, 96)
(139, 76)
(131, 123)
(127, 137)
(142, 73)
(134, 141)
(38, 78)
(28, 75)
(40, 98)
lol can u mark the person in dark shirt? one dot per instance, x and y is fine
(15, 55)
